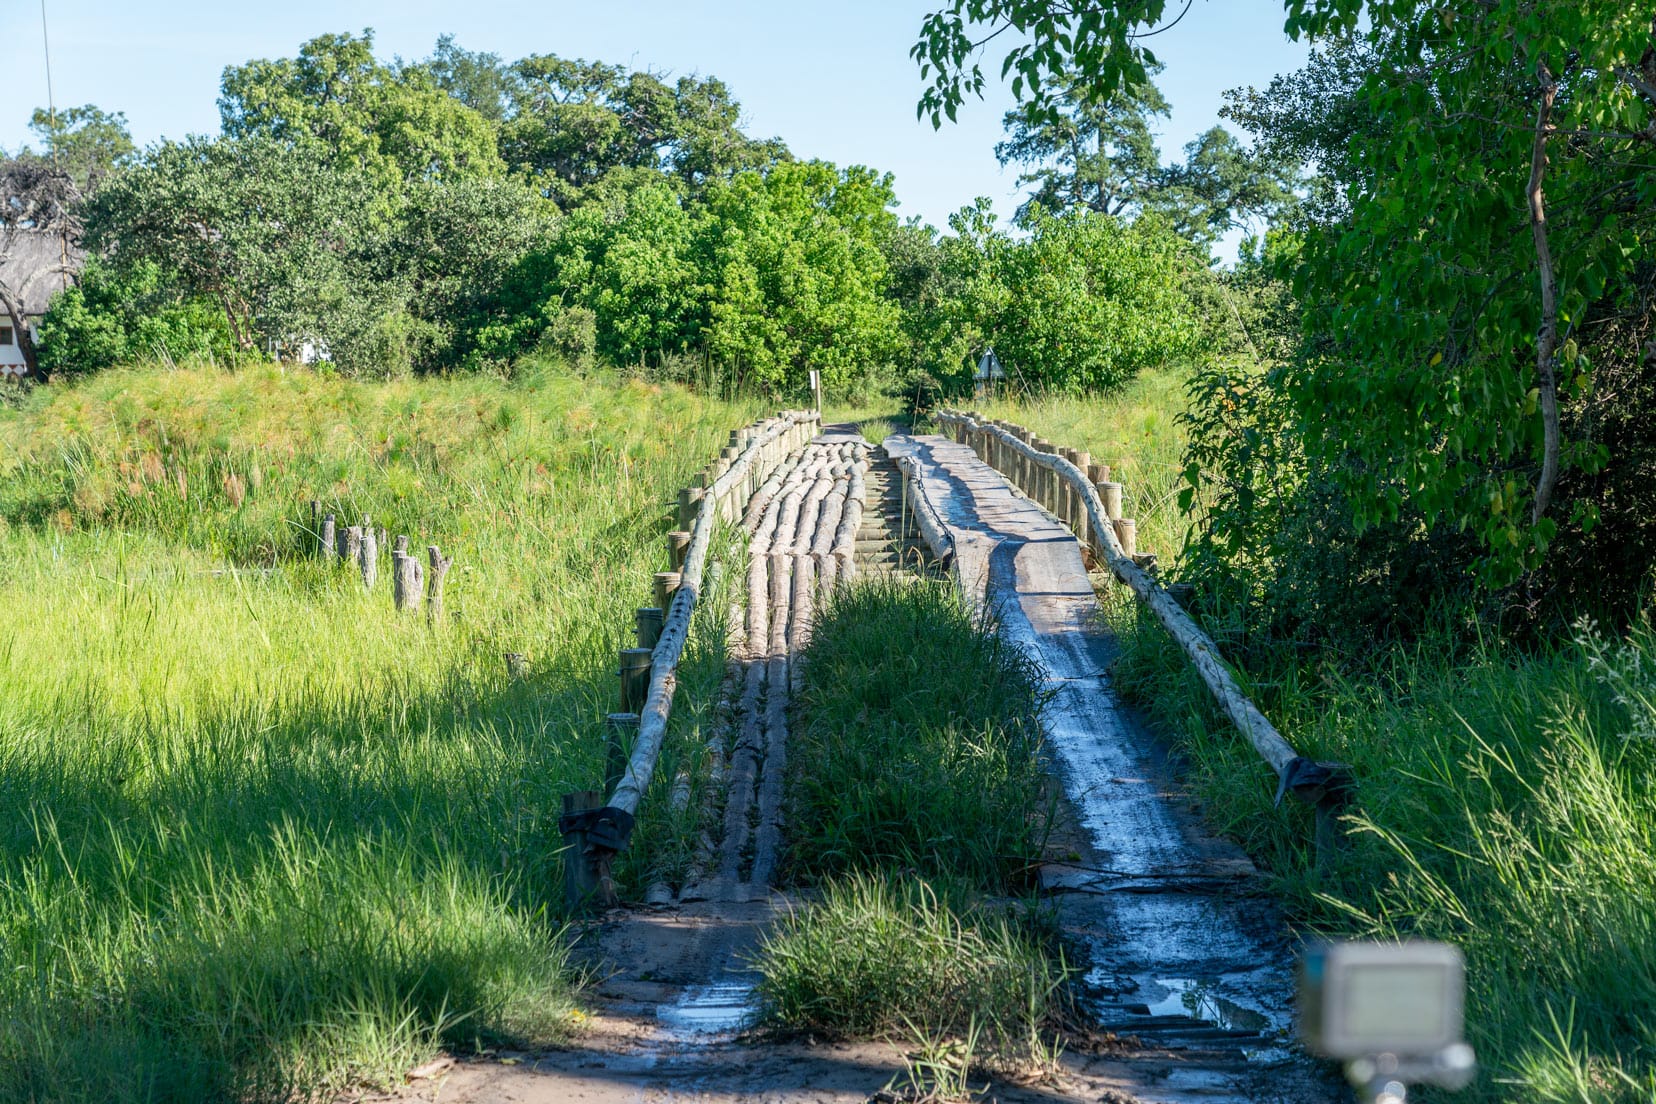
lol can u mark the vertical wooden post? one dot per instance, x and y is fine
(369, 557)
(440, 565)
(325, 538)
(635, 678)
(1066, 493)
(689, 501)
(649, 621)
(350, 548)
(406, 580)
(1043, 477)
(400, 546)
(1098, 473)
(1078, 502)
(1127, 533)
(1110, 495)
(666, 585)
(678, 546)
(583, 881)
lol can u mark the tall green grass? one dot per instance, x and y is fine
(260, 837)
(1136, 431)
(1504, 803)
(916, 743)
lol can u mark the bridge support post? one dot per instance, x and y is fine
(635, 678)
(587, 882)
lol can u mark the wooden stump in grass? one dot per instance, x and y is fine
(689, 501)
(666, 585)
(369, 558)
(406, 581)
(649, 621)
(586, 875)
(678, 546)
(440, 565)
(350, 549)
(401, 547)
(325, 538)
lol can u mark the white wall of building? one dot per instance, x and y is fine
(11, 353)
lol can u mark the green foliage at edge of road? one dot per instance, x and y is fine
(261, 838)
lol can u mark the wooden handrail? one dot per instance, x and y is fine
(594, 831)
(1326, 785)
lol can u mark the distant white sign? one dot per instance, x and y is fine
(989, 367)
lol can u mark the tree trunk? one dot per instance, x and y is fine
(1546, 344)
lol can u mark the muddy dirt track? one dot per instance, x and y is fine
(1187, 978)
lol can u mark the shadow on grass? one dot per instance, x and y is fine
(257, 902)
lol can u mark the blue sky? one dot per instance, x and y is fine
(832, 79)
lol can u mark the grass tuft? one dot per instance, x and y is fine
(885, 957)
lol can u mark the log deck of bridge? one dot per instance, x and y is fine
(1155, 882)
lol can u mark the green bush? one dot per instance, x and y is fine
(111, 317)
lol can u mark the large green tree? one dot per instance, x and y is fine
(86, 142)
(1085, 301)
(570, 123)
(1083, 152)
(266, 230)
(1494, 251)
(394, 125)
(796, 275)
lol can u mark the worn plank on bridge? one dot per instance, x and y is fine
(1167, 917)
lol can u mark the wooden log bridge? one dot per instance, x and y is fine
(595, 832)
(1092, 509)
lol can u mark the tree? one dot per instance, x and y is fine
(1492, 254)
(86, 142)
(481, 81)
(450, 252)
(111, 317)
(268, 231)
(1221, 185)
(395, 126)
(37, 200)
(1085, 301)
(1100, 156)
(796, 276)
(570, 123)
